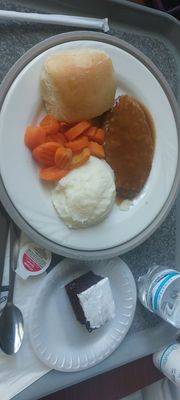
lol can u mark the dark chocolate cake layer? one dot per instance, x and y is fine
(76, 287)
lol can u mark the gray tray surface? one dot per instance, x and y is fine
(16, 38)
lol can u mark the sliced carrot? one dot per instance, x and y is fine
(77, 130)
(63, 157)
(44, 154)
(90, 133)
(50, 124)
(52, 174)
(80, 159)
(78, 144)
(99, 136)
(96, 150)
(56, 137)
(34, 136)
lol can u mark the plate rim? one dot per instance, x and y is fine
(122, 265)
(156, 222)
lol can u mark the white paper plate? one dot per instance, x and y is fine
(29, 199)
(57, 338)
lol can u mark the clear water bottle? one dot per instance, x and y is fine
(159, 292)
(167, 360)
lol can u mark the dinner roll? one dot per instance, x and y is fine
(78, 85)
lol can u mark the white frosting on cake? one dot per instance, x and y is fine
(97, 303)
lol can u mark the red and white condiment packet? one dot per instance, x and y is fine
(33, 260)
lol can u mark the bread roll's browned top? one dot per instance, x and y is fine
(78, 85)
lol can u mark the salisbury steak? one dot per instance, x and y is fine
(129, 145)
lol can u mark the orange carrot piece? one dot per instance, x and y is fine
(34, 136)
(90, 133)
(96, 150)
(99, 136)
(78, 144)
(77, 130)
(80, 159)
(63, 157)
(50, 124)
(44, 154)
(52, 174)
(56, 137)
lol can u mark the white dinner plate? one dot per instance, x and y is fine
(30, 200)
(57, 338)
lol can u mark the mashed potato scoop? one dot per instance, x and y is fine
(86, 195)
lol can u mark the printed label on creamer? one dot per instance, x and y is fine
(33, 260)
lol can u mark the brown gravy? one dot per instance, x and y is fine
(129, 145)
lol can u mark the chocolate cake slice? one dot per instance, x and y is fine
(91, 299)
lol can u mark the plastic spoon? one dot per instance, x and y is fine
(11, 318)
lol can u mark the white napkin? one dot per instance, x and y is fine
(22, 369)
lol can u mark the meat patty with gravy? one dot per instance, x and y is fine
(129, 145)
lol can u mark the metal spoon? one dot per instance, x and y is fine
(4, 222)
(11, 318)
